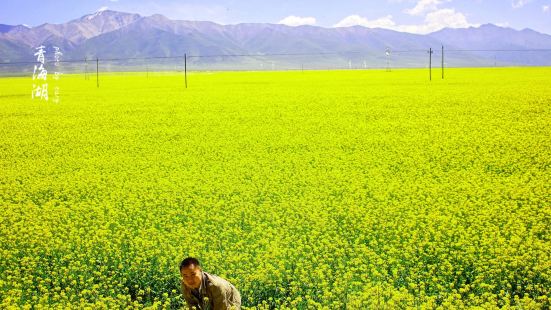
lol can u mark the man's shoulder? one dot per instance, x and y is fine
(218, 282)
(223, 293)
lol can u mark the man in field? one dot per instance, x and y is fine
(203, 290)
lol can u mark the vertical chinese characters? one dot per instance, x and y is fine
(40, 74)
(40, 88)
(57, 74)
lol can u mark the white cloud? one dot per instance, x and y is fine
(424, 6)
(433, 21)
(435, 18)
(503, 24)
(297, 21)
(356, 20)
(446, 18)
(517, 4)
(546, 8)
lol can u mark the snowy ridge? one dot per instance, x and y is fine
(97, 13)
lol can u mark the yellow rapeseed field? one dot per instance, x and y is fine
(307, 190)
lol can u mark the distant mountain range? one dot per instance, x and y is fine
(110, 34)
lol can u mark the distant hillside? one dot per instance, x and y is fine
(110, 34)
(490, 37)
(5, 28)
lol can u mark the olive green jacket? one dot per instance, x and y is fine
(217, 294)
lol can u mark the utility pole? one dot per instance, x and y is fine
(97, 72)
(387, 53)
(430, 64)
(185, 69)
(442, 62)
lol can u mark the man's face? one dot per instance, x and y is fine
(192, 276)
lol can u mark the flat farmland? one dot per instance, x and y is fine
(307, 190)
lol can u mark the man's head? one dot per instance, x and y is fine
(190, 269)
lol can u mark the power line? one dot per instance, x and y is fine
(408, 51)
(280, 54)
(188, 56)
(274, 54)
(501, 50)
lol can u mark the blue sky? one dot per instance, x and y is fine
(416, 16)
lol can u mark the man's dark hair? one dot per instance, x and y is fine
(189, 261)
